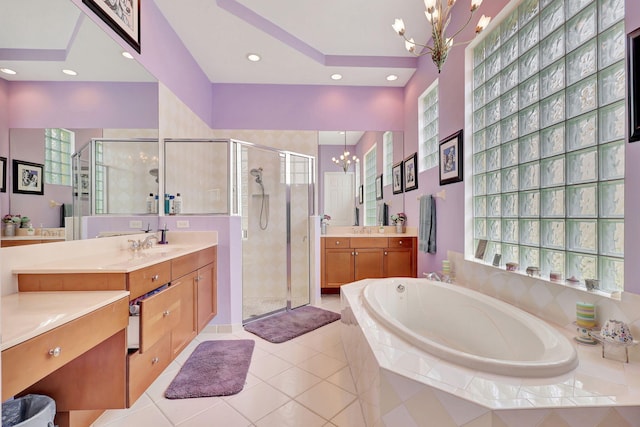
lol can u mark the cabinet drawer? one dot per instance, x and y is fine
(400, 242)
(369, 242)
(26, 363)
(144, 368)
(159, 314)
(149, 278)
(191, 262)
(336, 242)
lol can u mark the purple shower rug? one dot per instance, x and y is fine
(215, 368)
(284, 326)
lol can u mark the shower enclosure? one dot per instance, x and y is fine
(273, 192)
(275, 202)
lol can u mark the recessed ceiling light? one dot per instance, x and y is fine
(8, 71)
(253, 57)
(392, 77)
(69, 72)
(127, 55)
(336, 76)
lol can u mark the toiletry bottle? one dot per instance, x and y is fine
(381, 229)
(150, 201)
(166, 204)
(172, 199)
(155, 204)
(177, 204)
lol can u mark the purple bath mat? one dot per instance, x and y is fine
(215, 368)
(284, 326)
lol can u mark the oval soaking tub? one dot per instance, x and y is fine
(469, 328)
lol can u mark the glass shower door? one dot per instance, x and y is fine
(300, 210)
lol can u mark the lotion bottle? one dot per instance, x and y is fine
(177, 204)
(150, 202)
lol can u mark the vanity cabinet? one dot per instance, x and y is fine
(179, 298)
(348, 259)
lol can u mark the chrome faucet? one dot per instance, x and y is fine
(146, 243)
(433, 276)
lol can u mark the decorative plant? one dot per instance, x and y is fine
(399, 218)
(12, 218)
(325, 219)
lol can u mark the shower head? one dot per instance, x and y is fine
(257, 174)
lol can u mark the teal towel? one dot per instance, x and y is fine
(427, 225)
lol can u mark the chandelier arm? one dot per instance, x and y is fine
(418, 44)
(463, 27)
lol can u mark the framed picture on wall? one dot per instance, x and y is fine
(28, 178)
(451, 158)
(361, 195)
(123, 17)
(396, 176)
(379, 187)
(410, 172)
(633, 84)
(3, 174)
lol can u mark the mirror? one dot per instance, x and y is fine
(111, 96)
(339, 191)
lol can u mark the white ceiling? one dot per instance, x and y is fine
(301, 42)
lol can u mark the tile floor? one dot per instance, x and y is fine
(302, 382)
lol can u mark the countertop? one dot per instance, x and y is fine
(367, 235)
(26, 315)
(33, 237)
(116, 261)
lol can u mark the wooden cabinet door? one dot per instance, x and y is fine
(338, 267)
(368, 263)
(398, 262)
(185, 329)
(206, 295)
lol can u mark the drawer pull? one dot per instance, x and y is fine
(356, 253)
(166, 313)
(386, 253)
(155, 277)
(337, 242)
(155, 360)
(198, 278)
(55, 352)
(400, 242)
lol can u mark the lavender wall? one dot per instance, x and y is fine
(300, 107)
(4, 136)
(83, 105)
(166, 58)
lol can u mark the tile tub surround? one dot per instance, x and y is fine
(401, 385)
(553, 302)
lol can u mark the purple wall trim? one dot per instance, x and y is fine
(268, 27)
(302, 107)
(83, 105)
(4, 138)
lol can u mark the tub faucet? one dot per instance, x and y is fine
(433, 276)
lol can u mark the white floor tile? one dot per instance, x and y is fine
(295, 353)
(344, 380)
(179, 410)
(292, 414)
(326, 399)
(268, 366)
(219, 415)
(258, 401)
(322, 365)
(294, 381)
(148, 416)
(113, 414)
(350, 417)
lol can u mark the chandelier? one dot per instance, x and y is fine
(344, 161)
(439, 17)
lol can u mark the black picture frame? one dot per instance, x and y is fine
(28, 178)
(451, 159)
(361, 195)
(3, 174)
(125, 23)
(379, 187)
(397, 178)
(410, 172)
(633, 84)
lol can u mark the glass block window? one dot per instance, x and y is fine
(387, 145)
(370, 186)
(59, 146)
(548, 139)
(428, 122)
